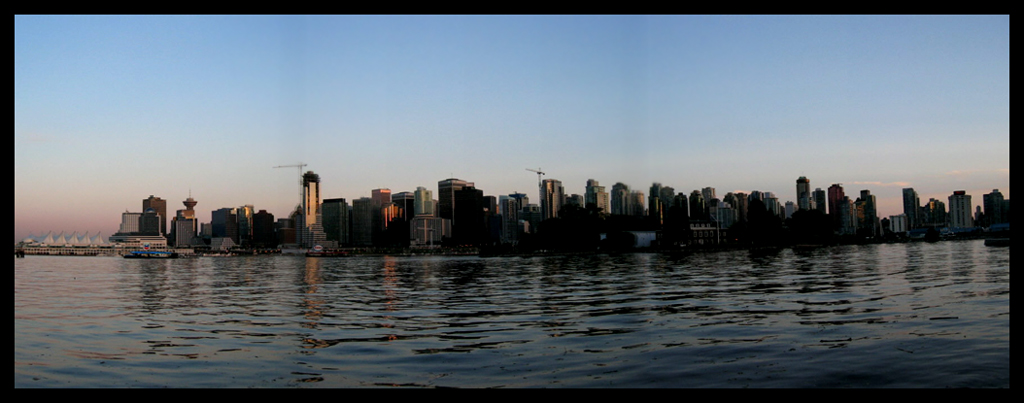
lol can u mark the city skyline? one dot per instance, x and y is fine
(112, 109)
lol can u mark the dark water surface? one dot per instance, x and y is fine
(919, 315)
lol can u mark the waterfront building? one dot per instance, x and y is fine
(656, 205)
(898, 224)
(469, 225)
(407, 201)
(160, 207)
(819, 201)
(310, 229)
(532, 216)
(363, 212)
(423, 202)
(521, 201)
(934, 214)
(185, 225)
(149, 223)
(596, 195)
(847, 216)
(697, 206)
(867, 213)
(803, 195)
(284, 229)
(637, 204)
(997, 209)
(184, 231)
(335, 216)
(620, 199)
(912, 208)
(446, 190)
(263, 234)
(129, 223)
(138, 241)
(738, 201)
(575, 200)
(224, 223)
(772, 204)
(244, 216)
(509, 219)
(836, 196)
(724, 214)
(552, 195)
(960, 210)
(426, 230)
(790, 209)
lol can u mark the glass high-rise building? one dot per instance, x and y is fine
(552, 195)
(997, 209)
(446, 190)
(620, 199)
(335, 216)
(423, 202)
(310, 230)
(912, 208)
(836, 197)
(160, 207)
(596, 195)
(803, 193)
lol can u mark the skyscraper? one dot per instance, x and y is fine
(244, 215)
(362, 221)
(552, 196)
(311, 229)
(335, 216)
(595, 194)
(803, 193)
(867, 213)
(960, 215)
(263, 234)
(160, 207)
(184, 225)
(819, 201)
(423, 202)
(934, 214)
(224, 223)
(655, 206)
(997, 209)
(912, 208)
(620, 199)
(835, 199)
(697, 206)
(446, 197)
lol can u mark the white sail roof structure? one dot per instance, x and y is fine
(73, 239)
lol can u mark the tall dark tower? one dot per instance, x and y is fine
(835, 202)
(160, 207)
(803, 193)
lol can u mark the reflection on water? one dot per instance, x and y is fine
(904, 315)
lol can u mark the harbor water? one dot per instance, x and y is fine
(911, 315)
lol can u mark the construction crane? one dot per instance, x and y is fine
(539, 173)
(300, 166)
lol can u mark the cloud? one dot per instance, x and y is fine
(977, 171)
(890, 184)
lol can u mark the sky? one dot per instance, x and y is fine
(112, 109)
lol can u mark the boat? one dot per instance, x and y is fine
(149, 254)
(319, 251)
(999, 235)
(997, 242)
(335, 253)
